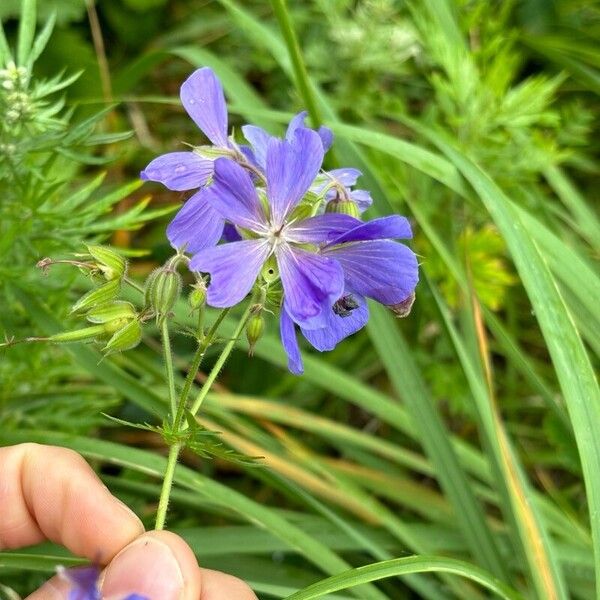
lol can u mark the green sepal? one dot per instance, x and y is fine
(110, 262)
(77, 335)
(110, 311)
(105, 293)
(305, 209)
(125, 338)
(343, 207)
(211, 152)
(197, 297)
(270, 270)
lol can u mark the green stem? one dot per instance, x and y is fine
(200, 325)
(169, 367)
(178, 424)
(165, 493)
(133, 284)
(195, 365)
(220, 362)
(300, 73)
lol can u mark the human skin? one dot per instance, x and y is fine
(51, 493)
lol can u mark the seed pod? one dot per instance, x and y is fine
(343, 207)
(163, 287)
(110, 262)
(254, 330)
(402, 309)
(125, 338)
(105, 293)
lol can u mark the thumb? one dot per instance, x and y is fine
(158, 565)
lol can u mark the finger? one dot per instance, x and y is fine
(158, 565)
(220, 586)
(214, 586)
(52, 493)
(54, 589)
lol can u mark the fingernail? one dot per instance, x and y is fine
(147, 567)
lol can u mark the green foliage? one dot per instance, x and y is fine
(49, 204)
(467, 431)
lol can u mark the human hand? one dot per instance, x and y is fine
(50, 493)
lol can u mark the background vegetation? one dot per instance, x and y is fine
(468, 431)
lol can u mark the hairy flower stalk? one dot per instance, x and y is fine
(179, 425)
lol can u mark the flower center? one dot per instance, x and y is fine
(276, 235)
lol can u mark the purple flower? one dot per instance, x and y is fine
(328, 264)
(85, 584)
(254, 198)
(311, 282)
(374, 266)
(259, 138)
(336, 183)
(203, 99)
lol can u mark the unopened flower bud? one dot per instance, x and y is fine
(343, 207)
(110, 262)
(402, 309)
(254, 330)
(126, 337)
(163, 287)
(197, 297)
(88, 334)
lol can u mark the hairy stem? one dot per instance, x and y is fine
(179, 424)
(165, 492)
(195, 365)
(166, 341)
(220, 362)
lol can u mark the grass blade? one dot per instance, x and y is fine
(538, 550)
(303, 83)
(405, 377)
(572, 364)
(405, 566)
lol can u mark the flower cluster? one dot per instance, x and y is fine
(84, 583)
(284, 224)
